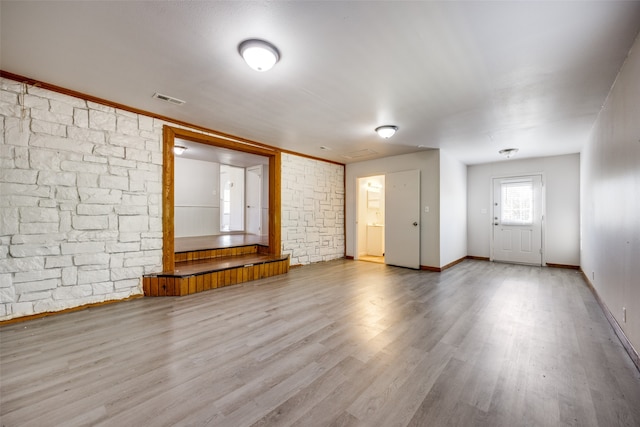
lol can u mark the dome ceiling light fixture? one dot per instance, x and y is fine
(508, 152)
(386, 131)
(259, 54)
(179, 149)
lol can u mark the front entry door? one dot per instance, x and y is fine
(402, 219)
(517, 219)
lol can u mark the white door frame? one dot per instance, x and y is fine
(544, 211)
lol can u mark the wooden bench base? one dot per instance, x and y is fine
(191, 277)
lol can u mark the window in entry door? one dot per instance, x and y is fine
(517, 203)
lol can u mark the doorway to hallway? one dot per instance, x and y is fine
(370, 219)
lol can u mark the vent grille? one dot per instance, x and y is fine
(169, 99)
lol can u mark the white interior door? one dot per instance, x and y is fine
(231, 198)
(517, 219)
(402, 219)
(254, 204)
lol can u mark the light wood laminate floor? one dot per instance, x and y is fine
(340, 343)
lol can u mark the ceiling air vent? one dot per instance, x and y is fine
(169, 99)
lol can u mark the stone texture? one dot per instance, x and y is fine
(18, 176)
(65, 179)
(26, 287)
(133, 223)
(40, 126)
(14, 133)
(100, 195)
(145, 123)
(59, 107)
(137, 155)
(83, 166)
(312, 204)
(49, 116)
(127, 125)
(126, 273)
(81, 117)
(90, 222)
(102, 288)
(88, 135)
(91, 259)
(58, 261)
(9, 224)
(39, 215)
(22, 251)
(39, 227)
(92, 276)
(60, 144)
(82, 209)
(65, 171)
(113, 182)
(123, 247)
(81, 248)
(35, 296)
(69, 276)
(72, 292)
(89, 209)
(101, 120)
(7, 295)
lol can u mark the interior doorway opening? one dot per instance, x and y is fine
(232, 196)
(370, 242)
(270, 193)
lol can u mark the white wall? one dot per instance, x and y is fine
(428, 163)
(196, 198)
(610, 175)
(81, 213)
(561, 176)
(312, 219)
(453, 209)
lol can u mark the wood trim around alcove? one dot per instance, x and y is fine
(170, 133)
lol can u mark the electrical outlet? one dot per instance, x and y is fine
(624, 315)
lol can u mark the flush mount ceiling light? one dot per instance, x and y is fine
(179, 149)
(259, 54)
(386, 131)
(508, 152)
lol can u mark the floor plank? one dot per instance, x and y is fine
(341, 343)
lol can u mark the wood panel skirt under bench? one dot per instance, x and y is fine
(193, 277)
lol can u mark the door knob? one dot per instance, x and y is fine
(415, 224)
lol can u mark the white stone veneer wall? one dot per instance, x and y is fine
(312, 220)
(80, 212)
(80, 202)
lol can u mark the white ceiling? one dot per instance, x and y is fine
(470, 77)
